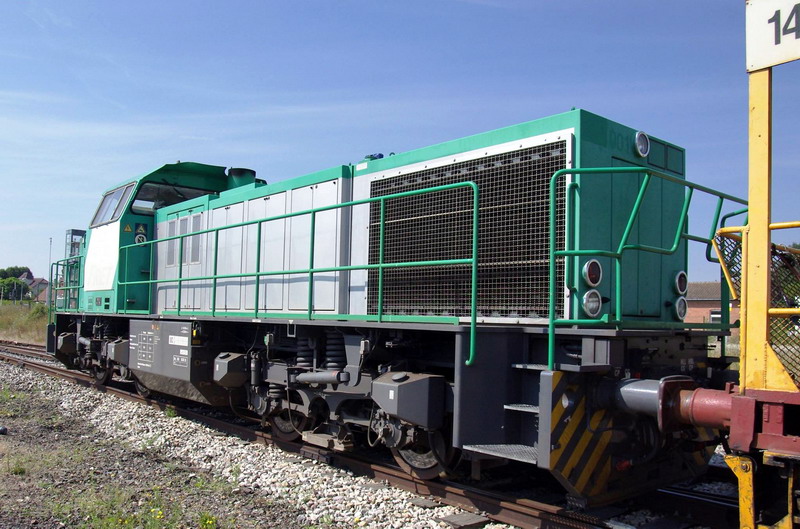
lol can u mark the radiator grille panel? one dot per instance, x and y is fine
(513, 237)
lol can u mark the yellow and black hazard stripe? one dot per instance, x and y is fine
(581, 454)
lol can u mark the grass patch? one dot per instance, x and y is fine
(23, 322)
(109, 508)
(16, 468)
(38, 462)
(10, 397)
(117, 508)
(10, 402)
(211, 484)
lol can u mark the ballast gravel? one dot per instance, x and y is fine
(291, 491)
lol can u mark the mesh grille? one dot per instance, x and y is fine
(513, 237)
(785, 279)
(729, 251)
(785, 332)
(784, 337)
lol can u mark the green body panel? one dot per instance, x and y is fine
(602, 210)
(190, 174)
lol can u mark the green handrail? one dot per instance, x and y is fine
(623, 244)
(380, 266)
(68, 265)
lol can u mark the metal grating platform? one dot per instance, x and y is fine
(513, 237)
(524, 453)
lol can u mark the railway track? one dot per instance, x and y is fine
(27, 349)
(526, 513)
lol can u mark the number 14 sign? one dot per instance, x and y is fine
(773, 32)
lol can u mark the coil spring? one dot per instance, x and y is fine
(335, 356)
(305, 354)
(276, 391)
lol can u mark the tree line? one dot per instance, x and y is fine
(11, 287)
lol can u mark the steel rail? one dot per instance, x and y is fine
(26, 349)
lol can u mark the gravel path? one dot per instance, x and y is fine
(74, 457)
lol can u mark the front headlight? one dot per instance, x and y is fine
(642, 144)
(592, 303)
(681, 308)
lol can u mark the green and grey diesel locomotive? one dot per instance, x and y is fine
(513, 296)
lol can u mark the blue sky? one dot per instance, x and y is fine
(92, 93)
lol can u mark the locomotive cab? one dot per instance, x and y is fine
(125, 216)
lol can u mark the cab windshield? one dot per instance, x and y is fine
(112, 205)
(153, 196)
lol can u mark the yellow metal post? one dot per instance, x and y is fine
(755, 295)
(760, 366)
(743, 467)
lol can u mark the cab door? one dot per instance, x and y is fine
(136, 263)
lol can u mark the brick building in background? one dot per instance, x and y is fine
(705, 304)
(38, 287)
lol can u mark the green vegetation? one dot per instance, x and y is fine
(13, 288)
(119, 507)
(24, 322)
(14, 271)
(35, 462)
(207, 521)
(106, 508)
(10, 402)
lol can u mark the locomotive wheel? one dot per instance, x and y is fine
(288, 425)
(420, 461)
(141, 389)
(102, 375)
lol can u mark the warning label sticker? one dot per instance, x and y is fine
(127, 228)
(141, 228)
(179, 340)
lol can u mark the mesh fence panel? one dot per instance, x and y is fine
(730, 248)
(785, 279)
(785, 332)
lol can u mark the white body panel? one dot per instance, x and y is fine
(284, 245)
(102, 257)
